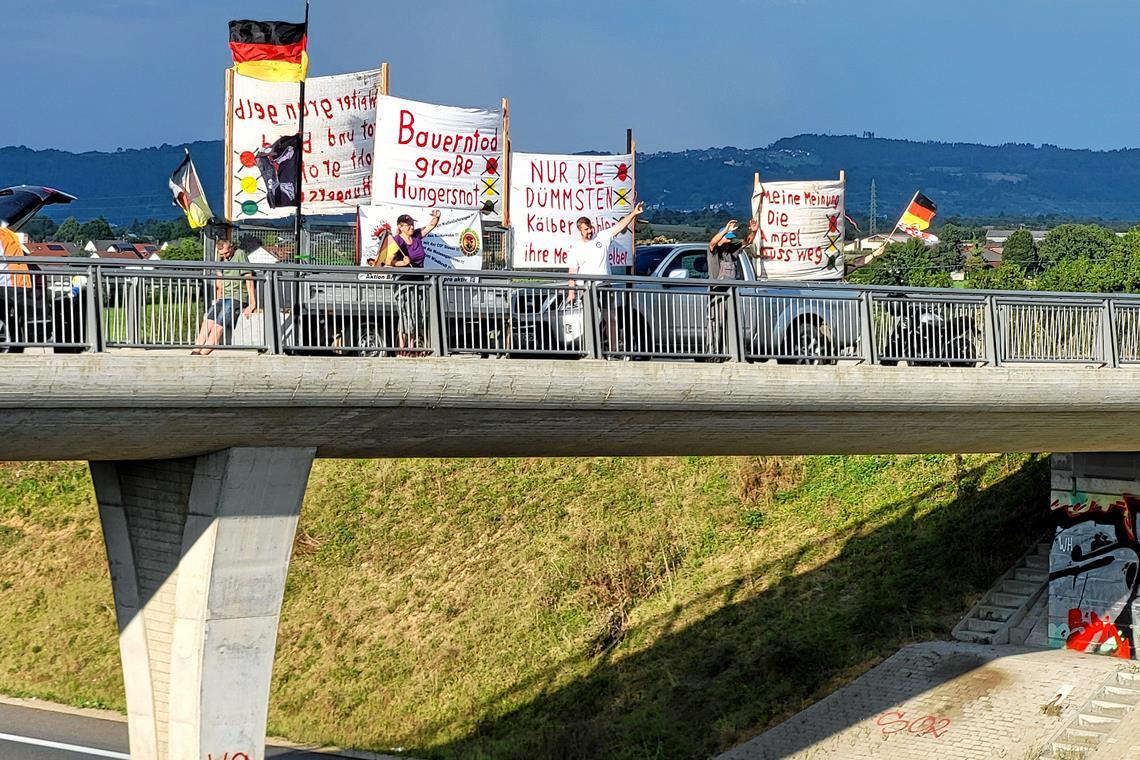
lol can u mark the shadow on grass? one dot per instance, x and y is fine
(699, 690)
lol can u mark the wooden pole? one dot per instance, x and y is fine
(506, 165)
(382, 86)
(229, 162)
(631, 149)
(865, 260)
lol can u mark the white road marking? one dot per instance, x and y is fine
(92, 752)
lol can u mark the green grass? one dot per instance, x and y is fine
(628, 608)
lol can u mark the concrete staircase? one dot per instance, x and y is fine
(1004, 607)
(1084, 732)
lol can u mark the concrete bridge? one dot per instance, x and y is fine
(200, 466)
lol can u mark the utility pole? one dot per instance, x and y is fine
(874, 209)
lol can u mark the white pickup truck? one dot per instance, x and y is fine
(684, 314)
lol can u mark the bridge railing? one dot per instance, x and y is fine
(74, 305)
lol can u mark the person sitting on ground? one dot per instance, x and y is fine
(222, 314)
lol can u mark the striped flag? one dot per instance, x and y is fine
(188, 195)
(919, 214)
(387, 248)
(273, 51)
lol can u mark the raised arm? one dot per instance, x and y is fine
(753, 228)
(627, 220)
(427, 228)
(719, 237)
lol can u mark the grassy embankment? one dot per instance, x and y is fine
(575, 608)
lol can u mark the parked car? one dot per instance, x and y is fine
(33, 309)
(683, 315)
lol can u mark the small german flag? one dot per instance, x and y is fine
(920, 213)
(273, 51)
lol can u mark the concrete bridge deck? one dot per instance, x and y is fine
(132, 407)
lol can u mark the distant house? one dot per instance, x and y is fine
(109, 246)
(991, 256)
(52, 250)
(875, 242)
(149, 251)
(999, 237)
(131, 255)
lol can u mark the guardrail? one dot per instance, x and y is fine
(92, 305)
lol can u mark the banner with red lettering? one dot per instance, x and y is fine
(801, 230)
(455, 243)
(550, 193)
(340, 132)
(439, 156)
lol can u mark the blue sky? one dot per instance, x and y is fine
(681, 73)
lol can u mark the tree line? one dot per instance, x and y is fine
(185, 244)
(1072, 258)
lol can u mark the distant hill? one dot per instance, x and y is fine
(1014, 180)
(123, 186)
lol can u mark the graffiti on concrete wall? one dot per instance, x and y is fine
(1093, 573)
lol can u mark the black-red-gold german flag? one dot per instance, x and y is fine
(920, 213)
(273, 51)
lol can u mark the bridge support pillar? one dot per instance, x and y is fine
(1094, 564)
(199, 549)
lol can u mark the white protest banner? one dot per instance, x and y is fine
(438, 156)
(801, 230)
(340, 132)
(550, 193)
(455, 243)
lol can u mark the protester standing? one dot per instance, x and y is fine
(724, 264)
(590, 255)
(409, 303)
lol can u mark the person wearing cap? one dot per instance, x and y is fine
(724, 264)
(723, 249)
(410, 240)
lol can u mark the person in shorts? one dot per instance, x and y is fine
(228, 300)
(590, 255)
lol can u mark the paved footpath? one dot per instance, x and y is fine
(947, 700)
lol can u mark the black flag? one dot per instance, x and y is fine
(280, 167)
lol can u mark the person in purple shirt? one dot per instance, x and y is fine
(410, 297)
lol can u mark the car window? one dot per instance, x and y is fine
(696, 263)
(648, 258)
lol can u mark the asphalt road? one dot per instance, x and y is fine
(32, 734)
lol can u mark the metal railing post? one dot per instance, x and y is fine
(271, 314)
(867, 329)
(735, 326)
(591, 326)
(993, 333)
(94, 317)
(1110, 351)
(435, 314)
(304, 245)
